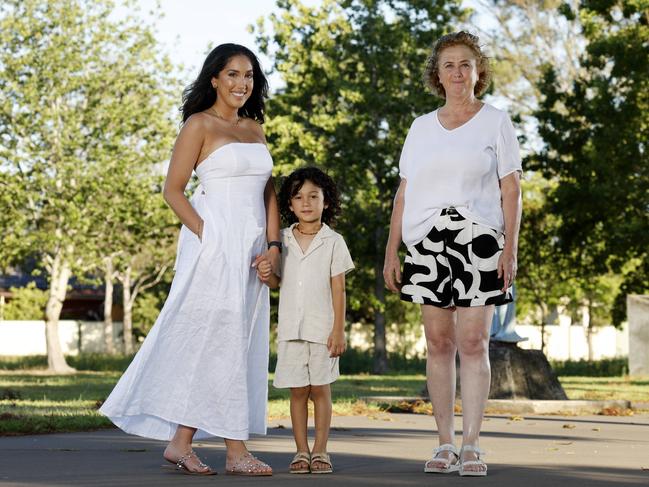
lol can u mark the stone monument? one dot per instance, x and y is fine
(637, 312)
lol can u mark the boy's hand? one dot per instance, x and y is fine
(263, 266)
(336, 343)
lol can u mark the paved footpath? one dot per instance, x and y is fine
(381, 450)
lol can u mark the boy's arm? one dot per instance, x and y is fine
(336, 342)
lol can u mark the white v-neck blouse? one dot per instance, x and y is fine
(460, 167)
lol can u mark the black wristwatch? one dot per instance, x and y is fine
(275, 243)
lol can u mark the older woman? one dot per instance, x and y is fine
(458, 210)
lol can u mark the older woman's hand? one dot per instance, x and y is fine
(392, 272)
(507, 267)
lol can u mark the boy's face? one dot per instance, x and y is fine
(308, 203)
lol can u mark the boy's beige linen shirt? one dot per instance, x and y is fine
(305, 302)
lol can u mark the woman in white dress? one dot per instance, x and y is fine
(202, 370)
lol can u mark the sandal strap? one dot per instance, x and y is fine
(473, 449)
(249, 463)
(301, 456)
(445, 447)
(321, 457)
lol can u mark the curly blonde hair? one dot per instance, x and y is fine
(462, 38)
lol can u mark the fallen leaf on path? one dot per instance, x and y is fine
(569, 426)
(616, 411)
(596, 429)
(517, 418)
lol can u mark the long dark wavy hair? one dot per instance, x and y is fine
(201, 95)
(292, 184)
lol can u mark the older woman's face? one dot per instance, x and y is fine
(458, 71)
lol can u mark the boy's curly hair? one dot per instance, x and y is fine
(292, 183)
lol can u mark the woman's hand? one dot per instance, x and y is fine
(336, 343)
(507, 267)
(264, 269)
(392, 271)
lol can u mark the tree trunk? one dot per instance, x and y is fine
(589, 330)
(128, 311)
(380, 365)
(59, 277)
(543, 317)
(108, 305)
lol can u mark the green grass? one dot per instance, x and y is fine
(34, 402)
(602, 388)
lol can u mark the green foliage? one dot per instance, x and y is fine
(613, 367)
(27, 303)
(595, 137)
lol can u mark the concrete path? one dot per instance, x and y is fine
(382, 450)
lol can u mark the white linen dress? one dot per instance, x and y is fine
(204, 363)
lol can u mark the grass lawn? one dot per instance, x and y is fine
(35, 402)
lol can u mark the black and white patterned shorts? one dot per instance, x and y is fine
(456, 264)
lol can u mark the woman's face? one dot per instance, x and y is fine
(235, 81)
(458, 71)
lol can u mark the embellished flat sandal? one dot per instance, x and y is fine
(180, 465)
(250, 466)
(439, 464)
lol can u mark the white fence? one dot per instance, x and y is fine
(563, 341)
(28, 337)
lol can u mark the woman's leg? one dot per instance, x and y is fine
(439, 328)
(473, 328)
(299, 418)
(321, 397)
(180, 445)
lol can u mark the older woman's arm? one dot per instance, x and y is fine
(510, 188)
(392, 264)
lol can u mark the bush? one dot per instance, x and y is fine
(612, 367)
(26, 303)
(84, 361)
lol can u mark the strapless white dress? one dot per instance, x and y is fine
(204, 363)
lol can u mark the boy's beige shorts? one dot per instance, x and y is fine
(301, 363)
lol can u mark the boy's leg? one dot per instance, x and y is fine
(299, 418)
(321, 397)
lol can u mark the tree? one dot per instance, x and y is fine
(541, 280)
(595, 146)
(79, 90)
(352, 75)
(147, 246)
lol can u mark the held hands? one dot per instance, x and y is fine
(507, 267)
(392, 272)
(336, 343)
(264, 267)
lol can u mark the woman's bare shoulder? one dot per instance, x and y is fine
(254, 128)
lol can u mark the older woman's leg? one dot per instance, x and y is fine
(472, 333)
(439, 327)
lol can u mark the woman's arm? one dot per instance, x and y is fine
(336, 342)
(185, 154)
(510, 188)
(272, 223)
(392, 264)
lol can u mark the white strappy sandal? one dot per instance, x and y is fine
(477, 461)
(449, 465)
